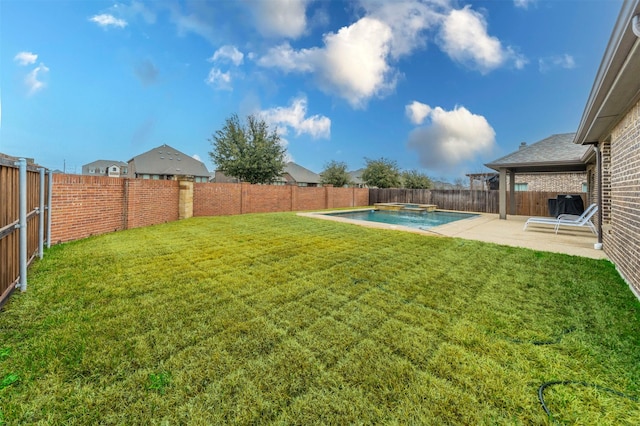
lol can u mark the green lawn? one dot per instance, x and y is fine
(279, 319)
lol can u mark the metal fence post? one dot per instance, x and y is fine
(22, 164)
(49, 209)
(41, 214)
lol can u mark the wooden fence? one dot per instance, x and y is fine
(528, 203)
(37, 191)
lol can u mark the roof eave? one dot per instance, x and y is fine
(615, 88)
(549, 166)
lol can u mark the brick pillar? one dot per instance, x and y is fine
(185, 198)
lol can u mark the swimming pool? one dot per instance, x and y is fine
(418, 220)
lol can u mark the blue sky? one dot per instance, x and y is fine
(439, 86)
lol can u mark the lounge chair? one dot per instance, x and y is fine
(567, 220)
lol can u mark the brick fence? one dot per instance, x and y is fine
(92, 205)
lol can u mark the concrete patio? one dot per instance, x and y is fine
(489, 228)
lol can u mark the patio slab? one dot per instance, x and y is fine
(489, 228)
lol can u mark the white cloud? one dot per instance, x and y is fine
(417, 112)
(295, 117)
(523, 4)
(288, 59)
(33, 79)
(355, 61)
(196, 157)
(464, 37)
(452, 138)
(228, 53)
(219, 80)
(564, 61)
(26, 58)
(352, 64)
(280, 18)
(106, 20)
(408, 20)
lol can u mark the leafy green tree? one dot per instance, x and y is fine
(335, 173)
(415, 180)
(248, 151)
(381, 173)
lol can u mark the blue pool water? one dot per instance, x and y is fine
(420, 220)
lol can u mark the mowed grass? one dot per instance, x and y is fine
(279, 319)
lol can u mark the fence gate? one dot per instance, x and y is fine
(25, 221)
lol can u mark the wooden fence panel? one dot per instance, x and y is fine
(9, 240)
(9, 217)
(528, 203)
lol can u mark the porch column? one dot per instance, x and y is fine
(502, 190)
(512, 192)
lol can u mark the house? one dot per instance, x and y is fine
(553, 164)
(106, 168)
(610, 130)
(293, 174)
(356, 178)
(167, 163)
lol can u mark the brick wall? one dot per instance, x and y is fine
(621, 229)
(216, 199)
(91, 205)
(150, 202)
(566, 182)
(85, 205)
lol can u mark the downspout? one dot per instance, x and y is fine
(596, 149)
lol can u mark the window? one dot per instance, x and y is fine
(92, 170)
(124, 171)
(146, 176)
(102, 170)
(156, 177)
(585, 187)
(522, 187)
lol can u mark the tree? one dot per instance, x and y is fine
(460, 183)
(248, 151)
(335, 173)
(381, 173)
(415, 180)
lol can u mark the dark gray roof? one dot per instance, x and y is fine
(555, 153)
(165, 160)
(105, 163)
(356, 176)
(300, 174)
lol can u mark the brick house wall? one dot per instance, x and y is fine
(621, 197)
(567, 182)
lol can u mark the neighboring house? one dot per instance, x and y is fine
(356, 178)
(106, 168)
(295, 174)
(610, 128)
(167, 163)
(220, 177)
(554, 164)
